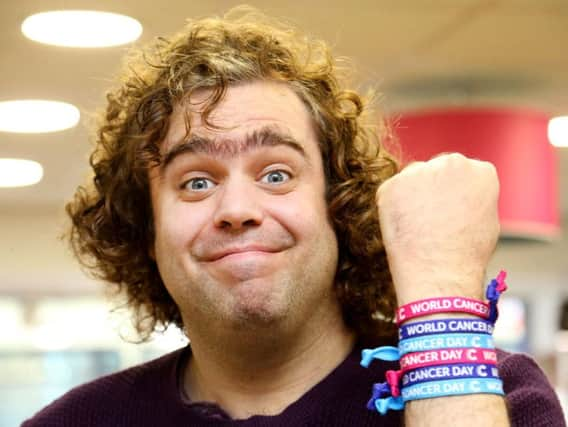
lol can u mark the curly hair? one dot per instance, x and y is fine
(112, 222)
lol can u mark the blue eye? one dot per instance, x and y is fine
(276, 177)
(199, 184)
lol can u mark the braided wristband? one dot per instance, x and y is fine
(449, 372)
(430, 327)
(441, 341)
(442, 305)
(434, 389)
(445, 357)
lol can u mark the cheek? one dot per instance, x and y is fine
(177, 224)
(302, 215)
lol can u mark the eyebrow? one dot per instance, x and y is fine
(267, 136)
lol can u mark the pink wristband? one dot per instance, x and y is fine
(422, 359)
(442, 305)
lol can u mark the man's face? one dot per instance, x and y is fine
(242, 233)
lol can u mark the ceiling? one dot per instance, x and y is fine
(419, 53)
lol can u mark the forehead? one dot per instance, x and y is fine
(244, 108)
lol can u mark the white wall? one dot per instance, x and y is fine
(33, 258)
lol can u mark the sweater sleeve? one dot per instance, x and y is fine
(531, 400)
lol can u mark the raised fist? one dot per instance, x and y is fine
(440, 226)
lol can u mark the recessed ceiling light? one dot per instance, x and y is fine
(37, 116)
(558, 131)
(81, 28)
(19, 172)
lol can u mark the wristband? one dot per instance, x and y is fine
(494, 290)
(430, 327)
(384, 404)
(452, 388)
(448, 372)
(447, 356)
(436, 342)
(382, 400)
(442, 305)
(383, 397)
(386, 353)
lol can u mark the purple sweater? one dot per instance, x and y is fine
(149, 395)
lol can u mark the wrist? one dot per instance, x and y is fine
(411, 288)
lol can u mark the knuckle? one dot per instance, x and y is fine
(412, 166)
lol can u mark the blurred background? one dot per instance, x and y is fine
(483, 77)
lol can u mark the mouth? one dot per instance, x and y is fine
(241, 252)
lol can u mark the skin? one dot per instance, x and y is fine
(455, 201)
(244, 246)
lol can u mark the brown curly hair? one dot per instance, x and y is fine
(112, 222)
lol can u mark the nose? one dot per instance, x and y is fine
(238, 206)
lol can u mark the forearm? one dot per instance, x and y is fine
(471, 410)
(477, 410)
(439, 223)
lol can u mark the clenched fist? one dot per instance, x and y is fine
(440, 225)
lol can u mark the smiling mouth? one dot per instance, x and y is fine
(243, 253)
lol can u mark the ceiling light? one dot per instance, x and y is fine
(558, 131)
(19, 172)
(81, 28)
(37, 116)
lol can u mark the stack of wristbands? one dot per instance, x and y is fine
(443, 357)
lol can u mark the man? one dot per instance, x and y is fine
(235, 196)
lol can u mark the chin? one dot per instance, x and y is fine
(254, 308)
(254, 318)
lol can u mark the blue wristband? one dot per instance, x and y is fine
(448, 372)
(443, 341)
(432, 389)
(387, 353)
(431, 327)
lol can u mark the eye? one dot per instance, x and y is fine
(198, 184)
(276, 177)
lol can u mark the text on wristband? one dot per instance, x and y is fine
(466, 355)
(442, 305)
(449, 372)
(447, 325)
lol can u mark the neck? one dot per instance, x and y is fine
(279, 369)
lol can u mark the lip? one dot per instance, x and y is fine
(252, 249)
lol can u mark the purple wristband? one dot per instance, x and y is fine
(449, 372)
(431, 327)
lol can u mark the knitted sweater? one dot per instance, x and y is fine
(149, 395)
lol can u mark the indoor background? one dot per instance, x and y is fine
(56, 329)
